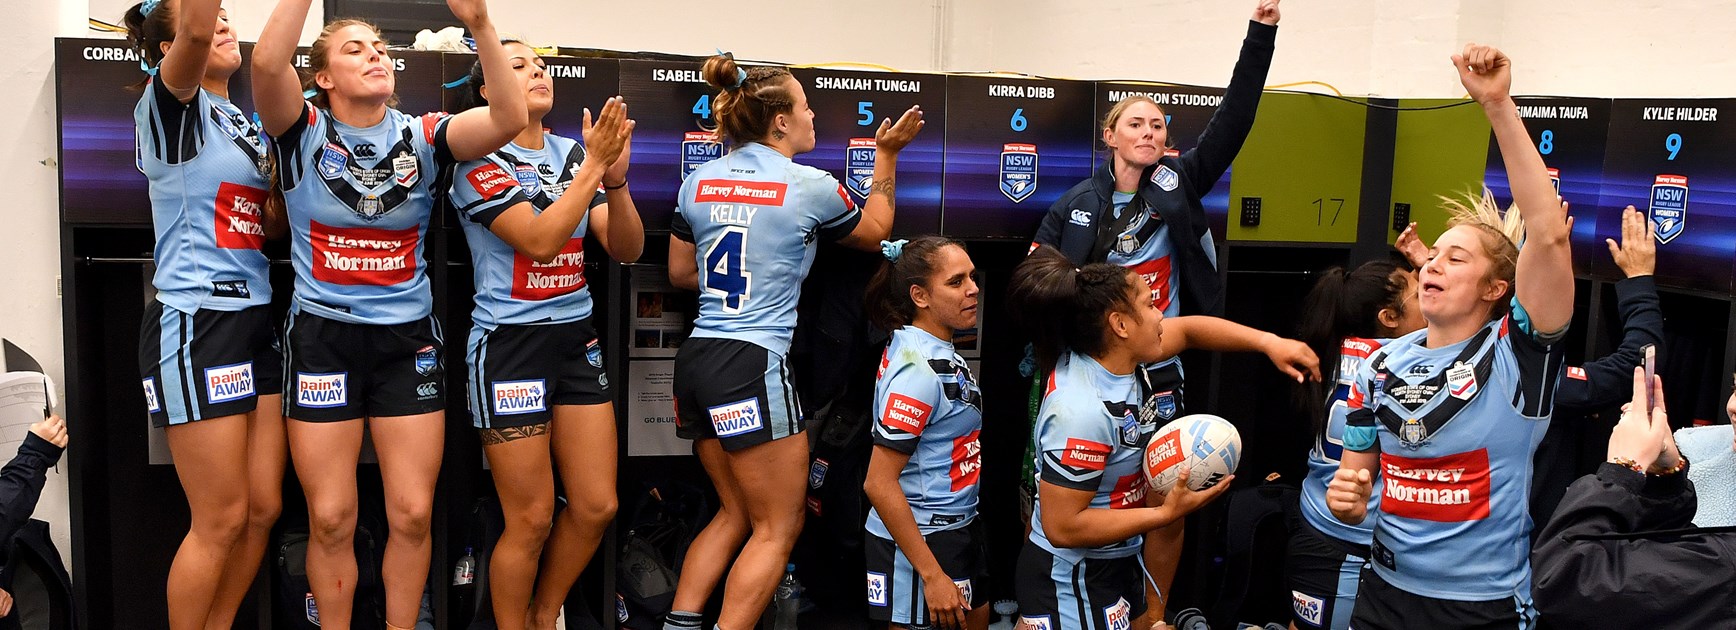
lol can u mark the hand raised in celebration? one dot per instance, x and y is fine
(472, 13)
(1486, 72)
(895, 136)
(607, 137)
(1267, 12)
(1637, 254)
(1412, 246)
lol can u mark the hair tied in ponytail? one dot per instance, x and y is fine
(740, 74)
(892, 250)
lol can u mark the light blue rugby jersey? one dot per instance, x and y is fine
(1457, 427)
(1329, 448)
(205, 165)
(511, 288)
(359, 204)
(754, 216)
(927, 406)
(1090, 437)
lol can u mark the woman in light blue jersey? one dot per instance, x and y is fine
(363, 344)
(538, 390)
(925, 547)
(744, 236)
(1346, 316)
(208, 350)
(1448, 417)
(1092, 326)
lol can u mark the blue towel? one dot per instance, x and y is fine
(1713, 471)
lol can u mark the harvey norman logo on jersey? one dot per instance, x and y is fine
(967, 460)
(532, 280)
(1450, 489)
(906, 414)
(240, 216)
(363, 256)
(736, 191)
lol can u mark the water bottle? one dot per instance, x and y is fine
(788, 601)
(1006, 609)
(1191, 619)
(465, 572)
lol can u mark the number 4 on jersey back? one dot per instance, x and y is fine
(726, 274)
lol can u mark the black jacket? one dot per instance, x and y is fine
(1199, 168)
(1609, 381)
(1577, 439)
(1621, 553)
(21, 482)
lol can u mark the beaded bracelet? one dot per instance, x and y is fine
(1681, 462)
(1629, 463)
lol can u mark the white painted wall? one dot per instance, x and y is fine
(1383, 47)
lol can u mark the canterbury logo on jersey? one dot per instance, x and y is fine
(1449, 489)
(363, 256)
(532, 280)
(240, 222)
(734, 191)
(967, 460)
(357, 187)
(1420, 410)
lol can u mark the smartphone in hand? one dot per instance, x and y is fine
(1651, 362)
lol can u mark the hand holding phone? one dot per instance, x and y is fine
(1651, 364)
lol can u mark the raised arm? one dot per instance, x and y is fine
(276, 87)
(183, 68)
(880, 208)
(1545, 274)
(483, 130)
(542, 235)
(1606, 378)
(617, 223)
(1228, 129)
(1203, 332)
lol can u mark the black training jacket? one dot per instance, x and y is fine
(1071, 224)
(1620, 552)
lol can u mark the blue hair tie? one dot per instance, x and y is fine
(147, 67)
(740, 74)
(456, 82)
(892, 250)
(146, 7)
(310, 94)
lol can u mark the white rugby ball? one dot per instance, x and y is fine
(1209, 447)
